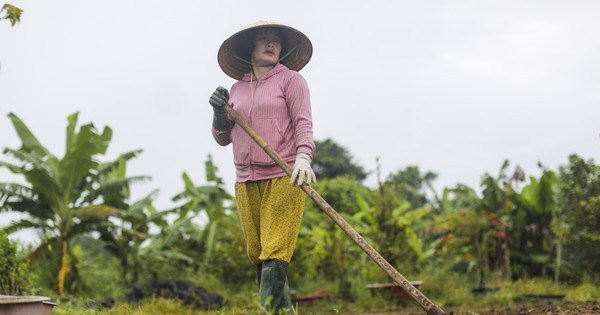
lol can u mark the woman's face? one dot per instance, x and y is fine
(267, 47)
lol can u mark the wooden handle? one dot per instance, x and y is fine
(425, 303)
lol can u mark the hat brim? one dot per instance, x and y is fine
(234, 54)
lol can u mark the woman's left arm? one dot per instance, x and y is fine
(298, 101)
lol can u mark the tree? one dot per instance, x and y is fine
(473, 227)
(579, 203)
(532, 234)
(332, 160)
(13, 277)
(411, 185)
(497, 205)
(64, 197)
(11, 13)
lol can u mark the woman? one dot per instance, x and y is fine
(274, 99)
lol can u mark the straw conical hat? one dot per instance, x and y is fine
(234, 53)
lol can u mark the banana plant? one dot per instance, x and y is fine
(211, 200)
(543, 228)
(63, 197)
(126, 237)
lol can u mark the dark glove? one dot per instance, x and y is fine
(217, 100)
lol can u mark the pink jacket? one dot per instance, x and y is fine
(278, 108)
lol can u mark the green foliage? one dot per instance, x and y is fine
(583, 293)
(538, 286)
(96, 266)
(324, 251)
(67, 196)
(535, 208)
(150, 306)
(11, 13)
(398, 213)
(332, 160)
(460, 232)
(13, 274)
(579, 201)
(218, 246)
(438, 283)
(410, 185)
(498, 236)
(343, 194)
(44, 263)
(125, 240)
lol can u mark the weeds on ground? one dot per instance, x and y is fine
(447, 290)
(583, 293)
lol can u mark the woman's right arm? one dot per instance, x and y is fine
(223, 138)
(221, 126)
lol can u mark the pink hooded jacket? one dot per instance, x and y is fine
(278, 108)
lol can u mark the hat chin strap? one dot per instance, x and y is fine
(287, 54)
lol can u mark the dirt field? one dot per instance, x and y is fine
(544, 308)
(539, 308)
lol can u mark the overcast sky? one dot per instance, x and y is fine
(455, 87)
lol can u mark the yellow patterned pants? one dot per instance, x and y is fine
(271, 213)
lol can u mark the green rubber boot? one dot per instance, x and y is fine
(274, 287)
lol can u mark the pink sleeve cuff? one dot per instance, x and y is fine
(304, 149)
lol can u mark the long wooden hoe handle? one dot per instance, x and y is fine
(425, 303)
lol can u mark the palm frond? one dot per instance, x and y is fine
(28, 161)
(145, 201)
(90, 224)
(16, 197)
(108, 167)
(15, 169)
(72, 123)
(126, 181)
(30, 142)
(8, 190)
(113, 191)
(21, 224)
(79, 159)
(36, 172)
(167, 255)
(96, 211)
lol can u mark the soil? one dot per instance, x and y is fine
(545, 308)
(537, 308)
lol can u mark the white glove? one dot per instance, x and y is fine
(302, 173)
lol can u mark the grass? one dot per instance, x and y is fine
(453, 293)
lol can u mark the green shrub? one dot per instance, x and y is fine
(538, 286)
(13, 276)
(584, 292)
(446, 287)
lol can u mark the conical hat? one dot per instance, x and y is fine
(234, 53)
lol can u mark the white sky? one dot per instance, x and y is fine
(454, 87)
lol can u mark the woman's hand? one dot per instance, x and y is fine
(219, 98)
(302, 173)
